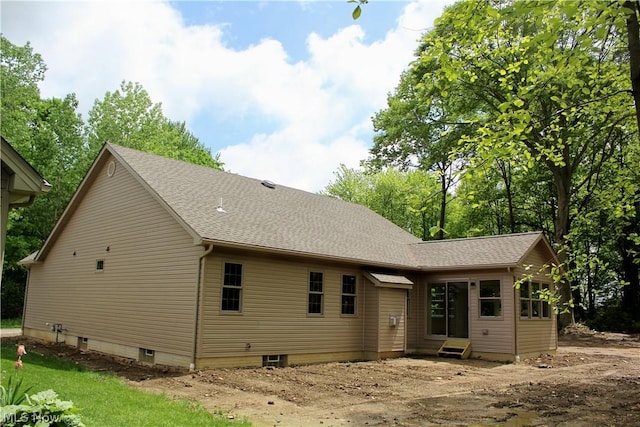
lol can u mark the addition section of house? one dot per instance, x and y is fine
(474, 306)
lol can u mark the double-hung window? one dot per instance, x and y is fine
(490, 298)
(533, 305)
(316, 292)
(232, 287)
(348, 294)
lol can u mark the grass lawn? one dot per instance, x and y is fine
(105, 400)
(10, 323)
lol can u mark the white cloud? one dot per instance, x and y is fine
(321, 107)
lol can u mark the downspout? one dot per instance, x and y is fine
(24, 302)
(26, 204)
(196, 322)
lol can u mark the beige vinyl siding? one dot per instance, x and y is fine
(415, 322)
(372, 303)
(536, 336)
(274, 317)
(145, 297)
(392, 303)
(492, 335)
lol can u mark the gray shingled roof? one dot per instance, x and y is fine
(287, 220)
(503, 250)
(282, 219)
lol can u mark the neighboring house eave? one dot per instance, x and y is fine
(29, 260)
(24, 181)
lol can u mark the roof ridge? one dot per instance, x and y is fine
(494, 236)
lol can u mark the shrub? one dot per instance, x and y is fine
(613, 319)
(42, 409)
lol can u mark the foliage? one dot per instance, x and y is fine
(106, 400)
(128, 117)
(357, 11)
(530, 102)
(13, 392)
(404, 198)
(14, 322)
(611, 317)
(42, 409)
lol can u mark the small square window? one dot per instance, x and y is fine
(146, 355)
(100, 265)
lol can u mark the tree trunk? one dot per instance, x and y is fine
(631, 292)
(629, 251)
(505, 173)
(633, 43)
(443, 203)
(562, 179)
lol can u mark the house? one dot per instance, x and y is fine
(21, 183)
(172, 263)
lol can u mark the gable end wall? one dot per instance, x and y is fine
(145, 297)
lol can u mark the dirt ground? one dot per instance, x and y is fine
(593, 380)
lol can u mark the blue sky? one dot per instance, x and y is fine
(283, 90)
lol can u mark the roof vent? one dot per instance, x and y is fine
(268, 184)
(220, 208)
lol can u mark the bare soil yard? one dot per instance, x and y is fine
(593, 380)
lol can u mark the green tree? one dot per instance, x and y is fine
(545, 85)
(414, 134)
(48, 134)
(128, 117)
(406, 198)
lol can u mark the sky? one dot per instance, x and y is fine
(283, 90)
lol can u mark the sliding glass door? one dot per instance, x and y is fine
(448, 309)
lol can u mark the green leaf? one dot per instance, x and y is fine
(356, 12)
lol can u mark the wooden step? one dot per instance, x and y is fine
(455, 348)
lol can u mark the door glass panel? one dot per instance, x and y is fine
(458, 313)
(437, 321)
